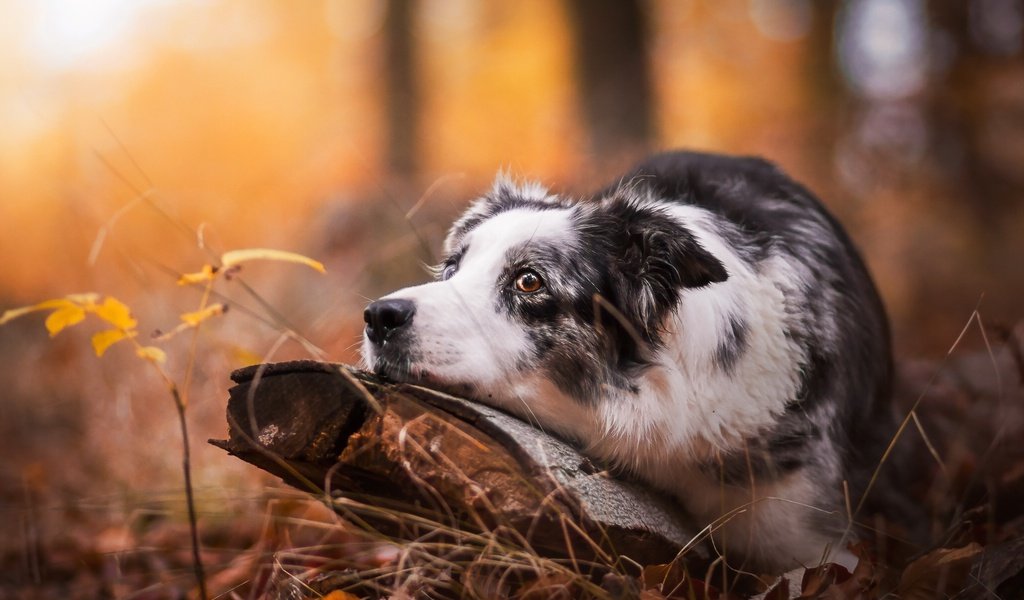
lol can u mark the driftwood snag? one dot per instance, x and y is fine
(329, 428)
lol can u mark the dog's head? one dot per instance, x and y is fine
(541, 304)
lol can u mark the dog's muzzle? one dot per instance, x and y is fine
(385, 317)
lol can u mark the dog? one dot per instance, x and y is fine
(702, 324)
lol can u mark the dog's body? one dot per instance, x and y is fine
(703, 324)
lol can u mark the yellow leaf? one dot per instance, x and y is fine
(14, 313)
(105, 339)
(64, 317)
(235, 257)
(116, 313)
(206, 274)
(193, 319)
(152, 353)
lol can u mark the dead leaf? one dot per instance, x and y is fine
(834, 582)
(819, 579)
(936, 573)
(673, 581)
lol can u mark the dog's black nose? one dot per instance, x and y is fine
(384, 316)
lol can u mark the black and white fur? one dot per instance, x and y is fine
(703, 324)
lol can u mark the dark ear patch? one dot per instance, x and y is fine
(655, 258)
(668, 253)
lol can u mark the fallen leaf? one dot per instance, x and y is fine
(674, 581)
(936, 573)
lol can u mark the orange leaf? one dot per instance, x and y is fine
(340, 595)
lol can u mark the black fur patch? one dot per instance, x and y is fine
(733, 344)
(791, 446)
(650, 258)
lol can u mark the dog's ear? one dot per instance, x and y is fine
(655, 258)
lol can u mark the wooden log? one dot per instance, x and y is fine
(466, 467)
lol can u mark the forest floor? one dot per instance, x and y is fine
(965, 420)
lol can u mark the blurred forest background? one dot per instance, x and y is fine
(353, 131)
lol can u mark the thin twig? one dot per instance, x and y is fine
(186, 466)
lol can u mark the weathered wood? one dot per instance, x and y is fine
(323, 426)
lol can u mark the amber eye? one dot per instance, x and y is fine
(528, 281)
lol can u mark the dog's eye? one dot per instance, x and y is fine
(528, 281)
(448, 268)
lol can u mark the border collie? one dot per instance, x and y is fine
(702, 324)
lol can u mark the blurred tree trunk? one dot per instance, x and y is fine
(827, 97)
(613, 76)
(401, 90)
(979, 108)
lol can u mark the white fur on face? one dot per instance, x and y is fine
(464, 338)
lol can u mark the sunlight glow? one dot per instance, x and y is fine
(63, 34)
